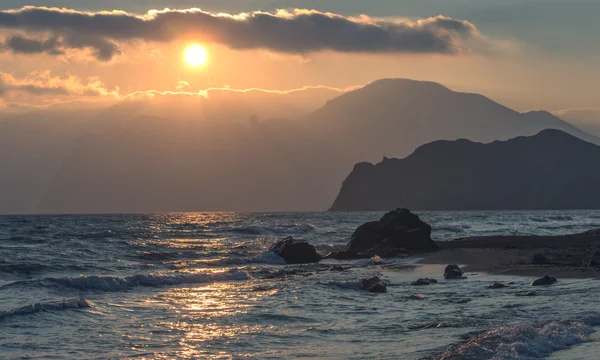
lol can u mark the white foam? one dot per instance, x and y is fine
(112, 283)
(522, 341)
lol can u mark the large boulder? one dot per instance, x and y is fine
(386, 249)
(453, 272)
(399, 228)
(296, 251)
(346, 255)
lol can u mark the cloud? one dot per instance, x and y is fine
(297, 31)
(43, 83)
(102, 49)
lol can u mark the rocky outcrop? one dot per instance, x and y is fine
(296, 251)
(398, 229)
(424, 281)
(374, 285)
(546, 280)
(544, 171)
(453, 272)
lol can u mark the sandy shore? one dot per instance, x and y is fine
(512, 255)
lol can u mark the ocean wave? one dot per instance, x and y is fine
(455, 229)
(48, 306)
(560, 218)
(35, 268)
(114, 283)
(292, 229)
(559, 227)
(90, 235)
(523, 341)
(25, 239)
(268, 257)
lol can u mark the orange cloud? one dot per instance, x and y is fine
(298, 31)
(43, 83)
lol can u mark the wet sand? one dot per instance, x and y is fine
(512, 255)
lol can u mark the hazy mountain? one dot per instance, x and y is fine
(586, 119)
(193, 154)
(551, 170)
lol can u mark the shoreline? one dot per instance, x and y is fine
(512, 255)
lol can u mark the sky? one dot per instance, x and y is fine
(526, 54)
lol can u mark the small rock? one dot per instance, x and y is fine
(337, 268)
(417, 297)
(374, 285)
(539, 259)
(424, 281)
(546, 280)
(496, 285)
(453, 272)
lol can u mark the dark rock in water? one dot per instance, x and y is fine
(374, 284)
(338, 268)
(424, 281)
(296, 251)
(539, 259)
(546, 280)
(346, 255)
(453, 272)
(399, 229)
(496, 285)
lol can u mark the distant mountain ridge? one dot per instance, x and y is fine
(272, 165)
(551, 170)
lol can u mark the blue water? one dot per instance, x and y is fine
(203, 286)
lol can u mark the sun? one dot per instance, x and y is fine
(196, 55)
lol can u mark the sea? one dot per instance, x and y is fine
(205, 286)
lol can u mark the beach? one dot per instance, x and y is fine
(513, 255)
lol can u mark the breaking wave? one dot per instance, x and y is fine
(113, 283)
(68, 304)
(523, 341)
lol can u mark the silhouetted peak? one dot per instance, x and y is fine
(554, 133)
(363, 166)
(398, 84)
(540, 113)
(440, 146)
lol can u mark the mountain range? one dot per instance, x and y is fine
(224, 158)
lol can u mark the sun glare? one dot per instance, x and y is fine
(195, 55)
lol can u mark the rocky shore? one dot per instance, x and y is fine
(574, 256)
(400, 233)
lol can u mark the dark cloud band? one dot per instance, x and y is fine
(298, 31)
